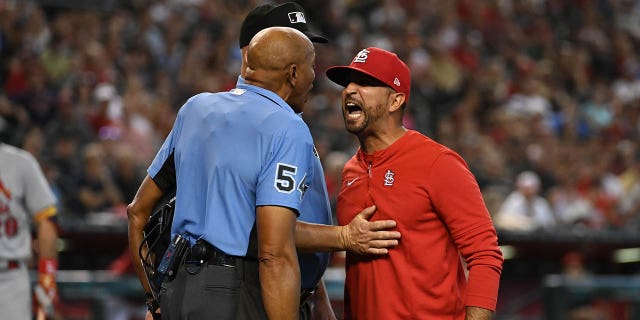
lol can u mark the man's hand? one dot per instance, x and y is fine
(368, 238)
(46, 292)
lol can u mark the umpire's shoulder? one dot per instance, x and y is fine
(197, 99)
(286, 124)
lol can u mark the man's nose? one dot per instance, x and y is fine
(351, 88)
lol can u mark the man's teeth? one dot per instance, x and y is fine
(353, 108)
(355, 114)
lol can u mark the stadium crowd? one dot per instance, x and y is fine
(541, 98)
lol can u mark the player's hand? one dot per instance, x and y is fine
(46, 291)
(366, 237)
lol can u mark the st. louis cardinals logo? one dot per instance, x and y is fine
(389, 178)
(362, 56)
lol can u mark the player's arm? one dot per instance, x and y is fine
(138, 212)
(40, 200)
(360, 236)
(279, 269)
(47, 240)
(47, 232)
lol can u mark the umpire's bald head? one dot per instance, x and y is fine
(281, 59)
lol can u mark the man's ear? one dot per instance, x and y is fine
(397, 100)
(292, 74)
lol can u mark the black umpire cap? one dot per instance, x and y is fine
(288, 14)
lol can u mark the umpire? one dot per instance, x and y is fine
(242, 159)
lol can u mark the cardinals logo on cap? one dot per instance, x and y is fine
(362, 56)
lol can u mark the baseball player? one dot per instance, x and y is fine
(25, 197)
(428, 189)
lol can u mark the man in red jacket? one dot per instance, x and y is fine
(428, 190)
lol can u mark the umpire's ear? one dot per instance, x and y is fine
(292, 74)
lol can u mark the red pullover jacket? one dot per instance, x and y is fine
(430, 192)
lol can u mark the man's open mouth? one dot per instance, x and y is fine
(354, 111)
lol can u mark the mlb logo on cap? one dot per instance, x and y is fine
(297, 17)
(378, 63)
(289, 14)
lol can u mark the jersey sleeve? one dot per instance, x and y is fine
(459, 203)
(39, 199)
(162, 169)
(287, 168)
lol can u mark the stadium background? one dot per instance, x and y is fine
(91, 88)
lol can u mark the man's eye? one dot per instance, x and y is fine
(368, 83)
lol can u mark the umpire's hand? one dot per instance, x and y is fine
(369, 238)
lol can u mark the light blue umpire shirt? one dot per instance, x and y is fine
(237, 150)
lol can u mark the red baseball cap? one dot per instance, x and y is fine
(381, 64)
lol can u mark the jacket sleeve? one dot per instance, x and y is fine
(458, 201)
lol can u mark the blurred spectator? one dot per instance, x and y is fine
(571, 206)
(127, 173)
(65, 158)
(575, 272)
(104, 116)
(524, 209)
(96, 190)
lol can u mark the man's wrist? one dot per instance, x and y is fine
(47, 269)
(47, 266)
(342, 238)
(151, 302)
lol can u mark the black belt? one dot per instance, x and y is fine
(220, 258)
(204, 251)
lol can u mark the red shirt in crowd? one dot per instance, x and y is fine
(435, 200)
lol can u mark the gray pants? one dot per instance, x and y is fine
(15, 294)
(216, 292)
